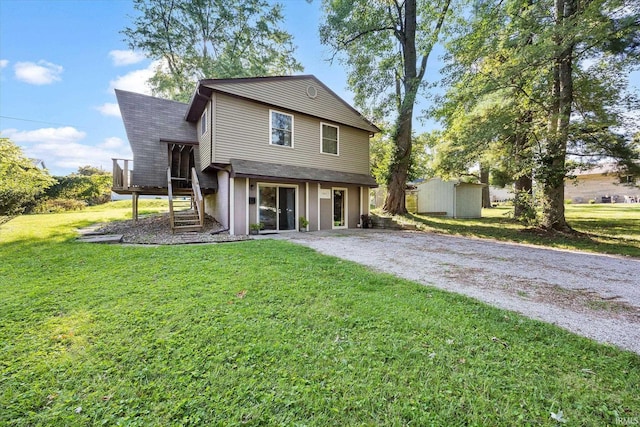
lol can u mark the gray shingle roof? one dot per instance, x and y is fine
(150, 122)
(251, 169)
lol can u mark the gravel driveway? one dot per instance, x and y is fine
(597, 296)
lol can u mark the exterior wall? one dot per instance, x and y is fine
(353, 206)
(241, 131)
(436, 195)
(293, 93)
(468, 201)
(326, 217)
(241, 206)
(593, 187)
(353, 203)
(313, 207)
(217, 205)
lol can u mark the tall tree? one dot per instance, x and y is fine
(386, 46)
(535, 56)
(196, 39)
(20, 180)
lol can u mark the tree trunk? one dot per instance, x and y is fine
(399, 168)
(484, 179)
(553, 173)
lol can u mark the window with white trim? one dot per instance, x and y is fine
(281, 129)
(203, 123)
(329, 139)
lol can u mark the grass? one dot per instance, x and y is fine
(610, 229)
(270, 333)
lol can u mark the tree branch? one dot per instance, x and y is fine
(364, 33)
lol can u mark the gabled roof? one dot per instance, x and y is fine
(304, 94)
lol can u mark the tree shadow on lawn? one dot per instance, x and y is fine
(510, 230)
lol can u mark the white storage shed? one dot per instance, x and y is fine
(453, 199)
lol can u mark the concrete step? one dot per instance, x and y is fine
(101, 238)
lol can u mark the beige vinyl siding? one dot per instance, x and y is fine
(242, 132)
(204, 141)
(240, 205)
(354, 206)
(292, 94)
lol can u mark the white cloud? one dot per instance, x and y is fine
(113, 143)
(109, 109)
(125, 57)
(3, 63)
(135, 81)
(45, 135)
(62, 151)
(42, 73)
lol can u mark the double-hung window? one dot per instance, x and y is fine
(329, 139)
(281, 129)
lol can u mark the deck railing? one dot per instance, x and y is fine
(170, 197)
(198, 200)
(122, 174)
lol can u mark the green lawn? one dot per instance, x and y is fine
(270, 333)
(610, 228)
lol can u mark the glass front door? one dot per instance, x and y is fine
(277, 207)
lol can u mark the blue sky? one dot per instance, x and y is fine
(60, 61)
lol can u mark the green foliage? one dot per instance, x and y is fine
(532, 88)
(200, 39)
(59, 205)
(527, 214)
(381, 154)
(271, 333)
(20, 181)
(89, 185)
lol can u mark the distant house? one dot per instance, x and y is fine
(453, 198)
(601, 184)
(263, 150)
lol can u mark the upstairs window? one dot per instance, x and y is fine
(329, 143)
(203, 123)
(281, 129)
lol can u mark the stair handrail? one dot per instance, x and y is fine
(197, 194)
(170, 197)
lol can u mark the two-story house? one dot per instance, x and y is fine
(264, 150)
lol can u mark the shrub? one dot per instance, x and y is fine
(60, 205)
(592, 202)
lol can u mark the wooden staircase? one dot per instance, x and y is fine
(186, 206)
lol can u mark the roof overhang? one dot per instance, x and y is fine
(263, 170)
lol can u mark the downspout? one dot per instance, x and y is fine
(232, 212)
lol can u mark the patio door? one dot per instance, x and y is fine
(277, 207)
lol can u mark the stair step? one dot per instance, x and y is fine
(391, 223)
(186, 228)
